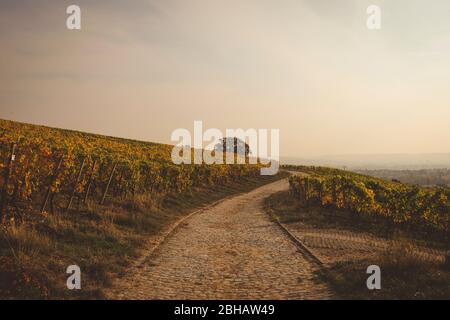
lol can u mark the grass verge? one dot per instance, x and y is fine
(403, 277)
(102, 240)
(403, 274)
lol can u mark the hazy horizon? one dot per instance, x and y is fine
(369, 161)
(376, 161)
(305, 157)
(310, 68)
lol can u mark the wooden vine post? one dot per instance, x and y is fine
(306, 191)
(109, 183)
(89, 184)
(7, 175)
(52, 181)
(80, 172)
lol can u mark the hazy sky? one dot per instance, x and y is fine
(311, 68)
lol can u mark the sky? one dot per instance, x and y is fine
(311, 68)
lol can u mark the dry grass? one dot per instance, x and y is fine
(102, 240)
(403, 256)
(404, 275)
(25, 241)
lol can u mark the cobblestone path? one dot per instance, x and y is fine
(230, 251)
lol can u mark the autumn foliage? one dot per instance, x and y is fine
(88, 163)
(410, 205)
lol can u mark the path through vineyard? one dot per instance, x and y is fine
(229, 251)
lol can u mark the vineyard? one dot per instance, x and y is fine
(41, 164)
(426, 209)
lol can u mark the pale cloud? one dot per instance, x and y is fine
(141, 68)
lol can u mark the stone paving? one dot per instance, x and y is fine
(230, 251)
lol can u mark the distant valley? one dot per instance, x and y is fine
(376, 161)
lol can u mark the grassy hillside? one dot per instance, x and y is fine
(69, 198)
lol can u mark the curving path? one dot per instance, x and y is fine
(229, 251)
